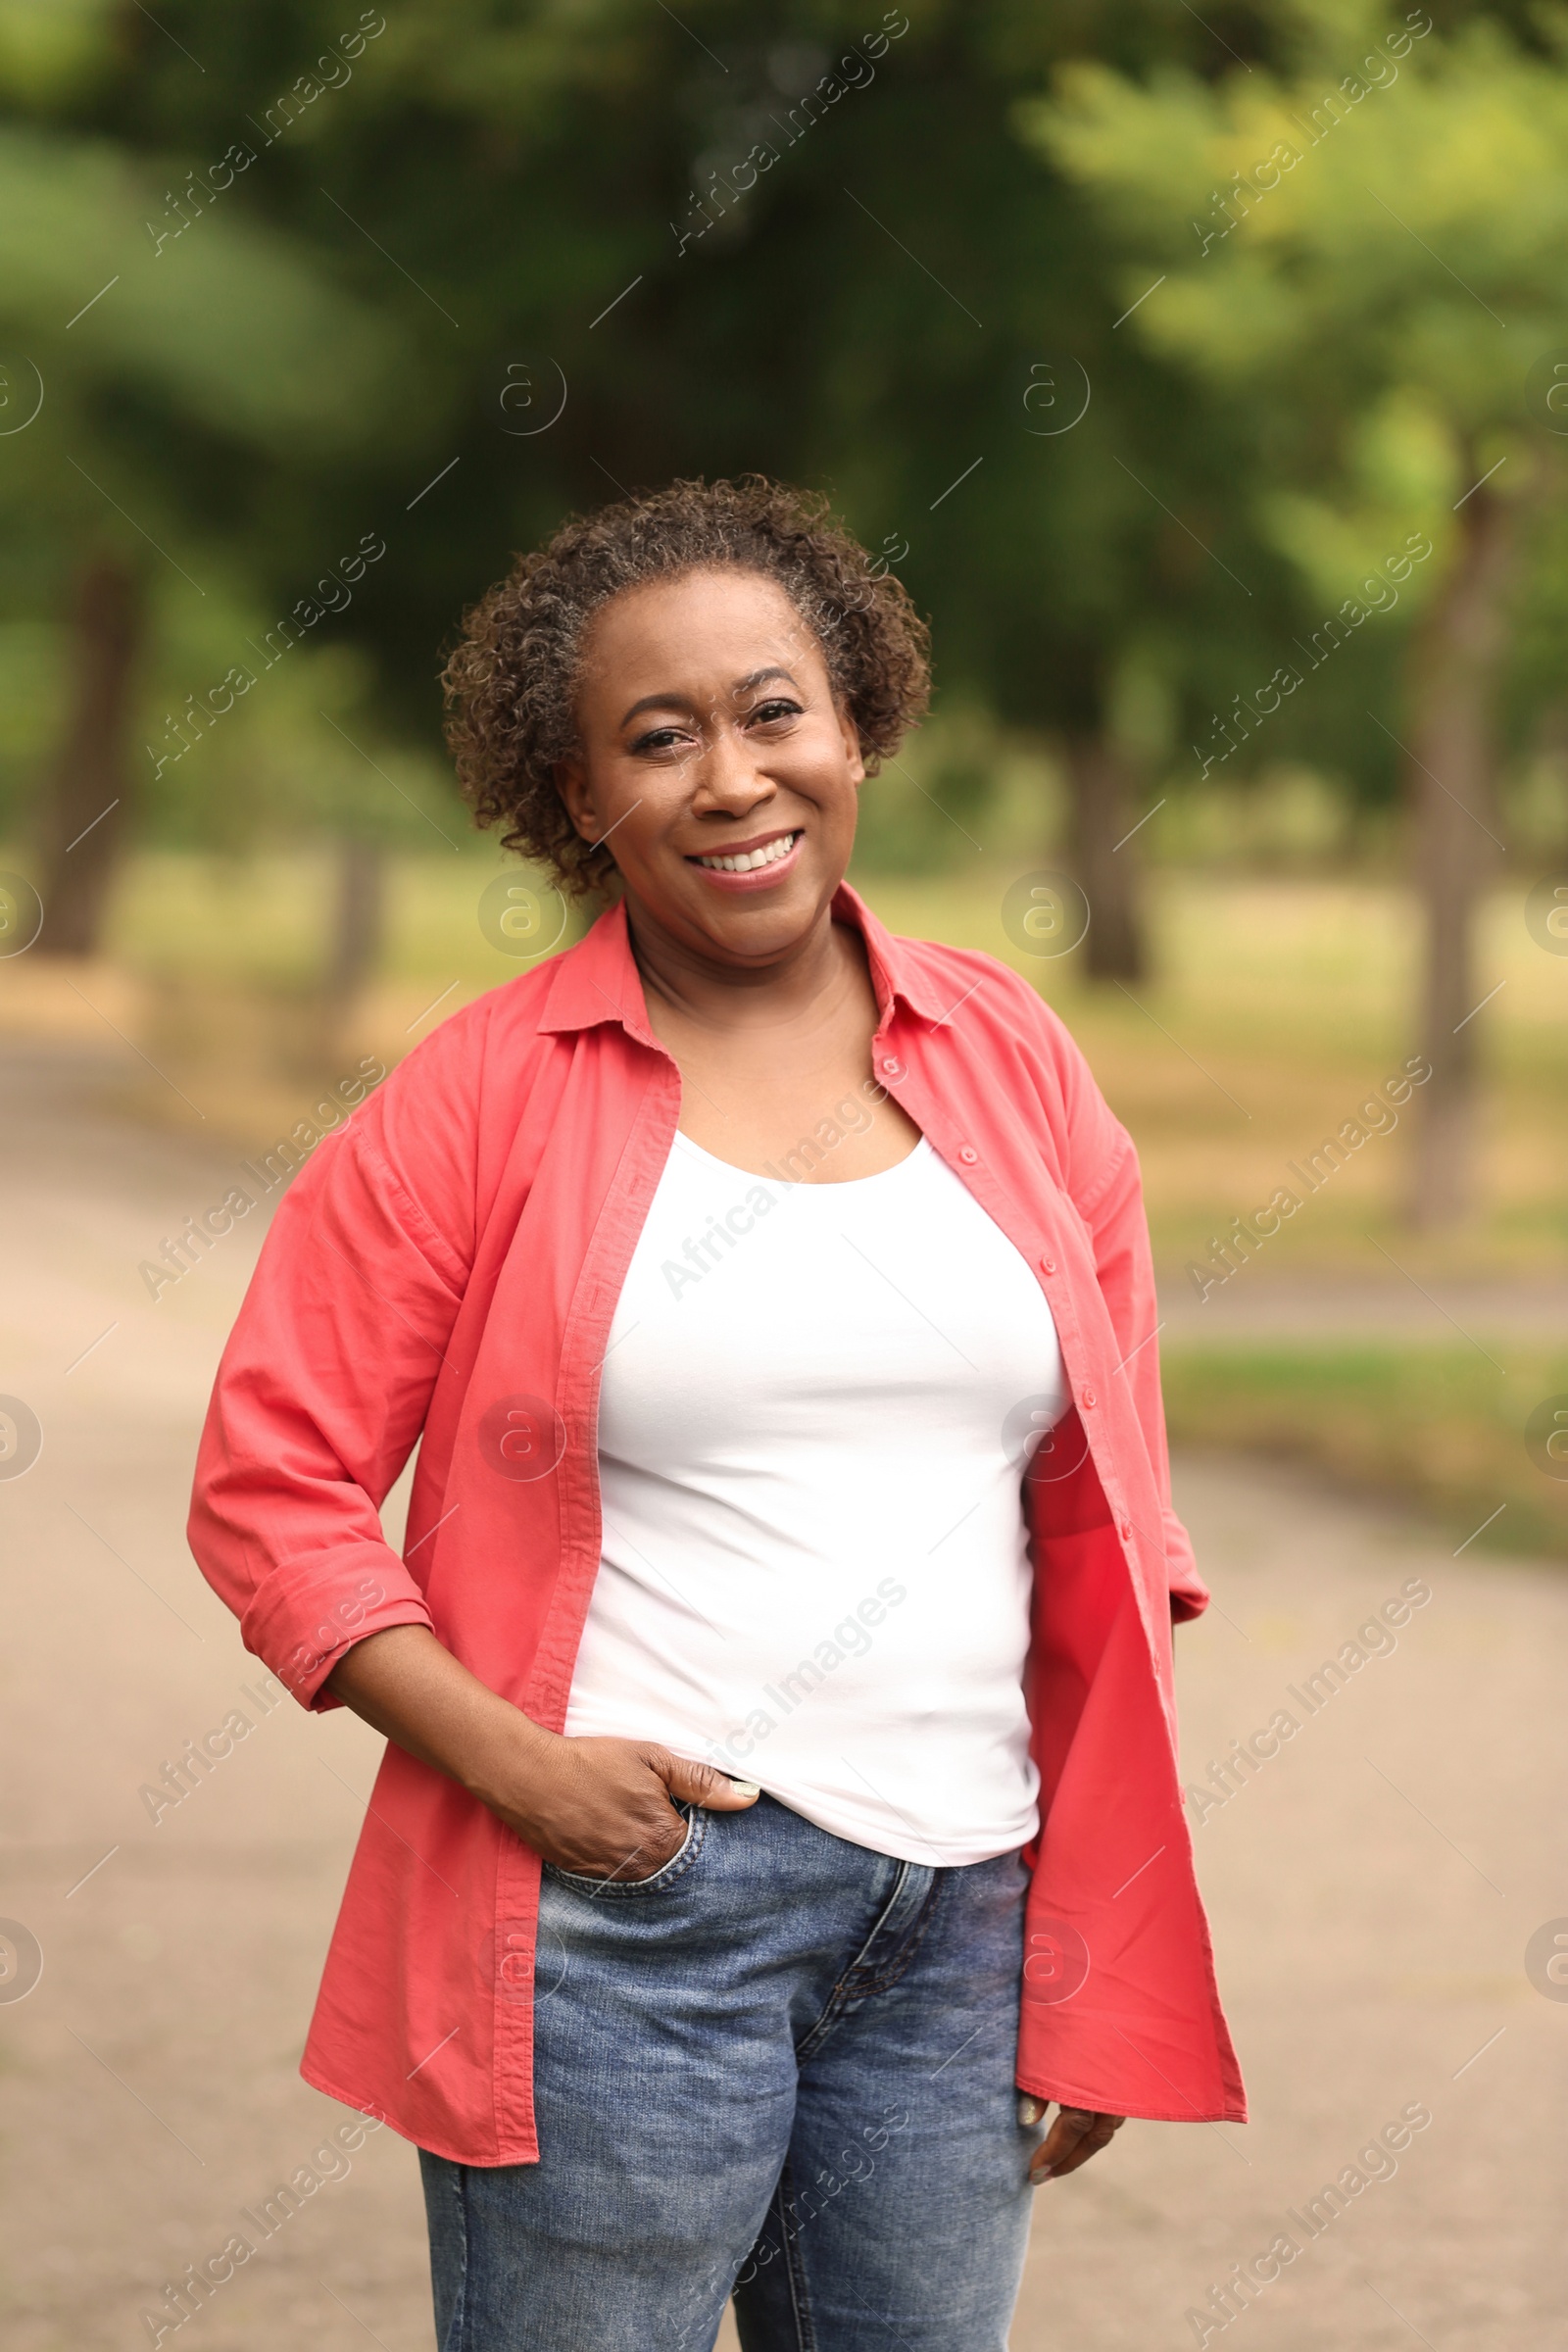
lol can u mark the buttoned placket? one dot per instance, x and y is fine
(1085, 1395)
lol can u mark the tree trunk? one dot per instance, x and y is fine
(1453, 669)
(87, 805)
(1105, 859)
(358, 917)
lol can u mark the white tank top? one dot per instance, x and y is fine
(816, 1406)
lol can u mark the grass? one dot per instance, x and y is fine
(1423, 1422)
(1275, 1007)
(1275, 1004)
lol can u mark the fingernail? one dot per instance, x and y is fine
(1043, 2173)
(1030, 2109)
(745, 1789)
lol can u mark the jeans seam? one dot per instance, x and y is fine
(795, 2269)
(833, 2006)
(457, 2334)
(846, 1992)
(902, 1958)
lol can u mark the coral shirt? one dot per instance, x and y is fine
(449, 1264)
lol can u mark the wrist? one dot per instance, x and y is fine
(511, 1753)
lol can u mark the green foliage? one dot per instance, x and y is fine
(1437, 1424)
(1349, 247)
(54, 51)
(237, 335)
(459, 212)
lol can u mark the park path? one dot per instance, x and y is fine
(1373, 1890)
(1254, 1305)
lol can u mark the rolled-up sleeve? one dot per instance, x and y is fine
(322, 1391)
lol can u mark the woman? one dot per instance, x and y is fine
(780, 1808)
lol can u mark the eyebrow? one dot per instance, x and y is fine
(746, 685)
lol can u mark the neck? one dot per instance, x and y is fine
(682, 980)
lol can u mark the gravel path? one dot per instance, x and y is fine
(1373, 1889)
(1388, 1304)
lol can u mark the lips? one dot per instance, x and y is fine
(750, 857)
(757, 864)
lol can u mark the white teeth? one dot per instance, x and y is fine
(768, 855)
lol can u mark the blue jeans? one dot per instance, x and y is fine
(782, 2067)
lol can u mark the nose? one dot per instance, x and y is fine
(729, 778)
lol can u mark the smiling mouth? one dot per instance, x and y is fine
(749, 861)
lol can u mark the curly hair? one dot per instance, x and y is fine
(511, 681)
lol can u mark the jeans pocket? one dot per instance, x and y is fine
(680, 1861)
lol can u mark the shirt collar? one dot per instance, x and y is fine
(598, 980)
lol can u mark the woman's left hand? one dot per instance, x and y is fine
(1074, 2136)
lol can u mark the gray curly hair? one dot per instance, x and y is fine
(511, 681)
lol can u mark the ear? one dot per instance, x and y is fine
(851, 734)
(571, 782)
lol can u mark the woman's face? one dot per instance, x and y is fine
(709, 731)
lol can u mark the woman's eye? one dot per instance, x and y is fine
(657, 739)
(766, 712)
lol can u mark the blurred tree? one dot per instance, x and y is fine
(358, 916)
(1347, 246)
(566, 250)
(165, 395)
(618, 245)
(88, 803)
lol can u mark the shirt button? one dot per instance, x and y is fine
(1124, 1527)
(1089, 1396)
(890, 1067)
(968, 1155)
(1048, 1265)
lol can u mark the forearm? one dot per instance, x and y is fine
(409, 1687)
(596, 1807)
